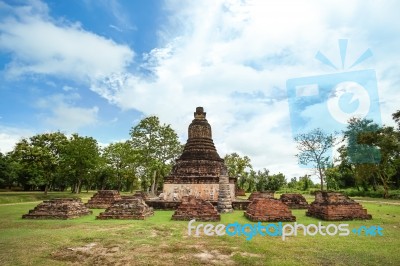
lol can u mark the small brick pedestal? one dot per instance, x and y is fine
(334, 206)
(127, 208)
(294, 201)
(103, 199)
(268, 210)
(266, 194)
(196, 208)
(59, 208)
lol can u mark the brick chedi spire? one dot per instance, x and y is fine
(200, 144)
(199, 163)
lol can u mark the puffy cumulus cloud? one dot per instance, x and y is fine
(59, 112)
(39, 44)
(232, 57)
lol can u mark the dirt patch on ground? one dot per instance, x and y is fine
(214, 257)
(96, 253)
(90, 254)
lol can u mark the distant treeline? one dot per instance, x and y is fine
(55, 162)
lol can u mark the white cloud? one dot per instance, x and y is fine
(9, 136)
(40, 45)
(61, 113)
(218, 49)
(232, 57)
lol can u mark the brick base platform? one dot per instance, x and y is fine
(59, 208)
(127, 208)
(193, 208)
(334, 206)
(268, 210)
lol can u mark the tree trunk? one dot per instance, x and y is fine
(321, 177)
(79, 186)
(154, 182)
(385, 186)
(46, 188)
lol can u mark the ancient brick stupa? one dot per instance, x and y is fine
(195, 208)
(294, 200)
(59, 208)
(197, 171)
(127, 208)
(268, 210)
(103, 199)
(334, 206)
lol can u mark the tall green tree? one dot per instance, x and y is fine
(80, 158)
(123, 161)
(40, 157)
(313, 147)
(396, 118)
(386, 139)
(158, 146)
(8, 171)
(238, 167)
(361, 157)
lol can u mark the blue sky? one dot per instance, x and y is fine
(97, 67)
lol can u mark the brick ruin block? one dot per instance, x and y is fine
(127, 208)
(334, 206)
(103, 199)
(196, 208)
(58, 208)
(266, 194)
(268, 210)
(294, 201)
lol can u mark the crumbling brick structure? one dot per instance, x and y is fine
(294, 201)
(127, 208)
(59, 208)
(268, 210)
(103, 199)
(265, 194)
(334, 206)
(196, 208)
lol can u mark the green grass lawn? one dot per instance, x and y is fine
(160, 241)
